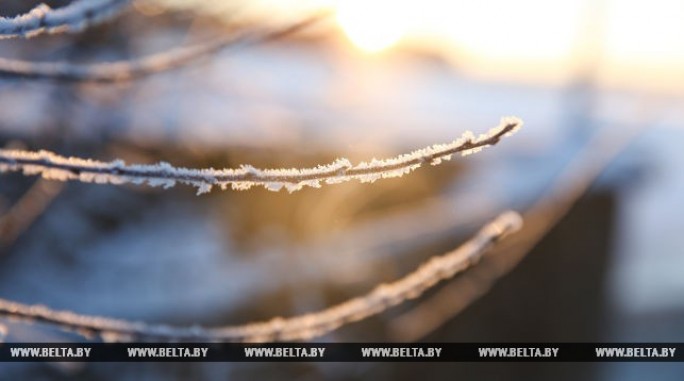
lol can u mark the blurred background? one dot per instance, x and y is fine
(374, 79)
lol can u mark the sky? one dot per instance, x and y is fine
(632, 43)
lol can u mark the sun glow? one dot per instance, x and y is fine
(636, 42)
(530, 39)
(373, 25)
(491, 28)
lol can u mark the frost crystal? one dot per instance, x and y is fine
(55, 167)
(81, 13)
(301, 327)
(73, 17)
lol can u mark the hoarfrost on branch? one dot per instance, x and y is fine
(56, 167)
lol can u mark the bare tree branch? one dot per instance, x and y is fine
(52, 166)
(74, 17)
(302, 327)
(540, 218)
(135, 68)
(27, 209)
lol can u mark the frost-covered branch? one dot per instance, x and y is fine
(74, 17)
(135, 68)
(570, 185)
(52, 166)
(302, 327)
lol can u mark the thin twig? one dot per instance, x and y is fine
(540, 218)
(302, 327)
(27, 209)
(74, 17)
(52, 166)
(135, 68)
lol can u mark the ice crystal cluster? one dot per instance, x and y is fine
(71, 18)
(127, 69)
(301, 327)
(56, 167)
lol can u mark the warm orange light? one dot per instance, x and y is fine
(625, 41)
(373, 25)
(528, 29)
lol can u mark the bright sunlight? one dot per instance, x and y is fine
(373, 25)
(627, 40)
